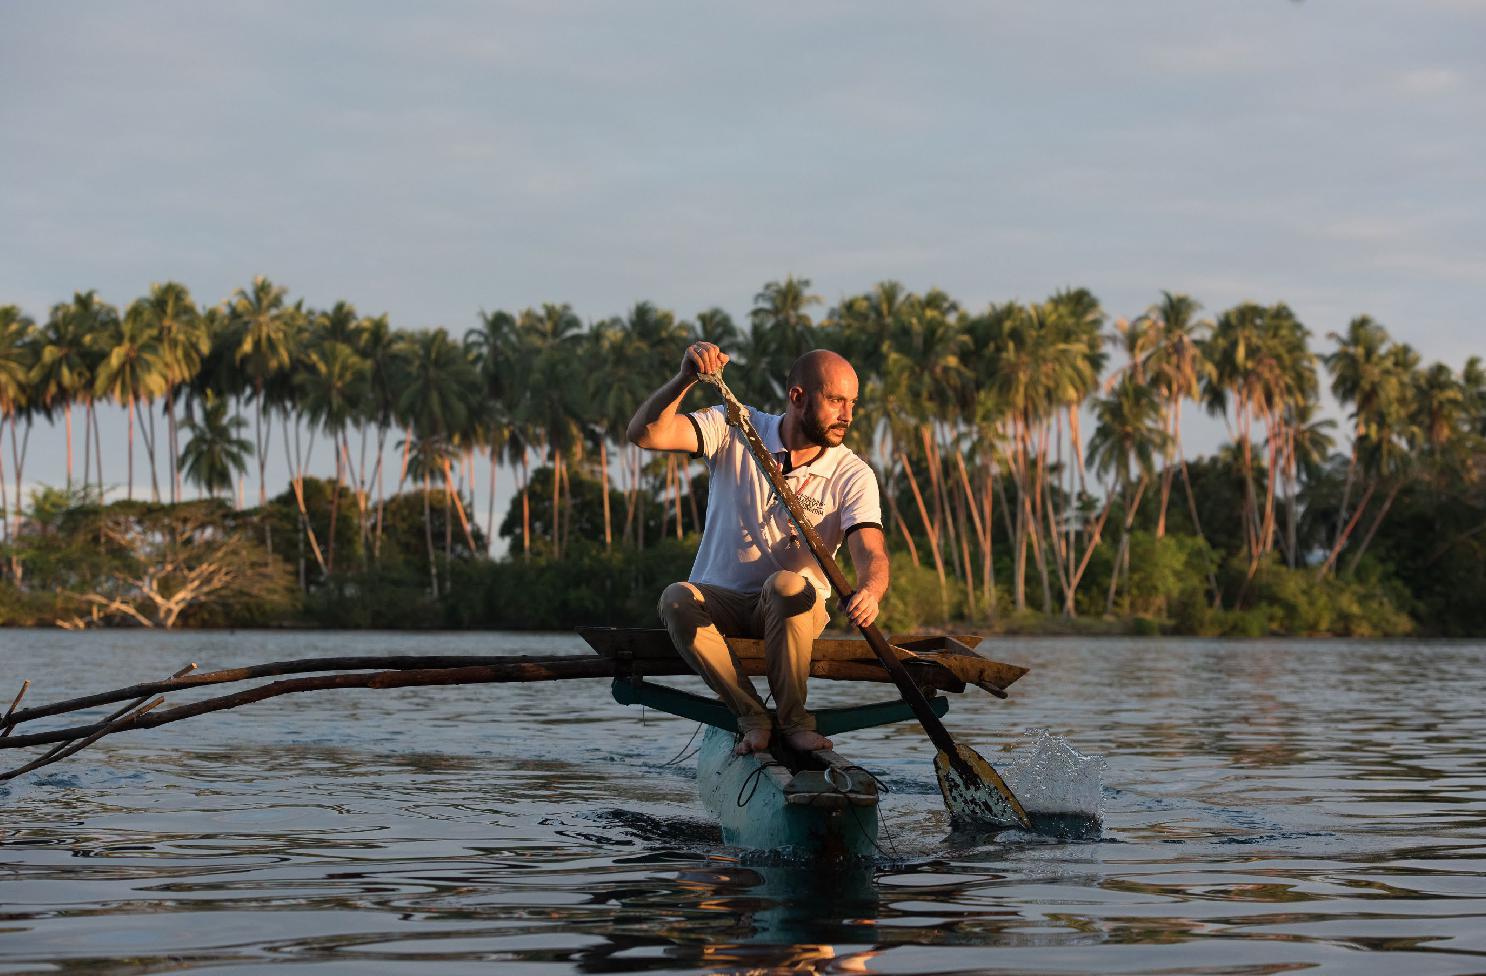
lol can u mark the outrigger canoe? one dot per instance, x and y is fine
(816, 804)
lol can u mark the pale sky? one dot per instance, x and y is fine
(430, 160)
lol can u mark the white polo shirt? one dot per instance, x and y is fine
(748, 535)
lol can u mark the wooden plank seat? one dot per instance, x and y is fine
(936, 662)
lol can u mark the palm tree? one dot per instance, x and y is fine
(923, 380)
(133, 370)
(779, 317)
(717, 327)
(1473, 388)
(1130, 429)
(1233, 350)
(339, 324)
(66, 360)
(214, 454)
(1383, 446)
(429, 455)
(548, 354)
(1177, 368)
(331, 391)
(1037, 362)
(384, 352)
(1078, 345)
(660, 336)
(184, 343)
(17, 357)
(613, 387)
(437, 404)
(1309, 445)
(1359, 374)
(262, 336)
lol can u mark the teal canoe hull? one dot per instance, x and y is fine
(828, 813)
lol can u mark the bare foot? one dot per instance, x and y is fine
(806, 740)
(756, 740)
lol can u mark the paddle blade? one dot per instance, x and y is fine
(974, 793)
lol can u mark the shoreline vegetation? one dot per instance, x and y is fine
(1030, 454)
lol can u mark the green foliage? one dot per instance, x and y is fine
(1002, 388)
(912, 601)
(193, 564)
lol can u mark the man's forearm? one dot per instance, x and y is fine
(874, 578)
(658, 409)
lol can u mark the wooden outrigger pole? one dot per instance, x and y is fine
(813, 804)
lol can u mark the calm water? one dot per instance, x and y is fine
(1269, 807)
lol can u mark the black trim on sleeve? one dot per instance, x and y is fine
(701, 441)
(860, 525)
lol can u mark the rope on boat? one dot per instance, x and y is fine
(679, 758)
(751, 783)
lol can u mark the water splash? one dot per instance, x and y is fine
(1049, 776)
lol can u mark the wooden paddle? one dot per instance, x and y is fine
(974, 793)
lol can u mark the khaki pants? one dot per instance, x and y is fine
(787, 613)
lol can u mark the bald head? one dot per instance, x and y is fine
(822, 392)
(817, 368)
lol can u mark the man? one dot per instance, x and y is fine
(753, 575)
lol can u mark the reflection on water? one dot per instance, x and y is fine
(1268, 807)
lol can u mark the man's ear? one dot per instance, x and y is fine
(795, 395)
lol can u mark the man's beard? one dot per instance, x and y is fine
(818, 433)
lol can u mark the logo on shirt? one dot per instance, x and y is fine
(810, 504)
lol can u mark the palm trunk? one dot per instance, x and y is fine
(931, 529)
(129, 491)
(67, 422)
(490, 505)
(378, 474)
(525, 506)
(631, 493)
(464, 522)
(1347, 531)
(262, 446)
(1292, 554)
(335, 508)
(942, 516)
(1373, 529)
(640, 502)
(358, 487)
(1168, 473)
(892, 505)
(1275, 429)
(97, 448)
(296, 485)
(88, 453)
(1341, 512)
(988, 563)
(556, 490)
(1095, 536)
(604, 488)
(4, 488)
(1034, 515)
(448, 532)
(567, 506)
(172, 435)
(969, 574)
(433, 566)
(365, 527)
(1019, 535)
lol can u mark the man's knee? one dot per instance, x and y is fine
(679, 601)
(790, 593)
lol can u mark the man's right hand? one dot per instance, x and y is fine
(702, 357)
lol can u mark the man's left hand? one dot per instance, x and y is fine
(861, 609)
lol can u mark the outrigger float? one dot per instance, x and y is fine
(815, 804)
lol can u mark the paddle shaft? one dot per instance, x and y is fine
(910, 691)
